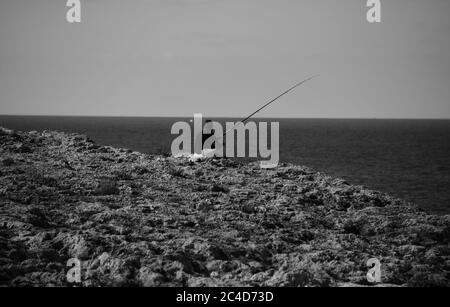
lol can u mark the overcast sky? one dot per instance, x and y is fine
(225, 58)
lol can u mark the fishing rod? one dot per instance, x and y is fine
(268, 103)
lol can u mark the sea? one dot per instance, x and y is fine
(409, 159)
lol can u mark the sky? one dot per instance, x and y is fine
(225, 58)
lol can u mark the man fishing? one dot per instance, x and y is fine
(208, 142)
(205, 136)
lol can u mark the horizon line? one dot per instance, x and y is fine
(225, 117)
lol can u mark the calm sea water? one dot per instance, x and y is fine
(409, 159)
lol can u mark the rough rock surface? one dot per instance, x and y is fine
(136, 219)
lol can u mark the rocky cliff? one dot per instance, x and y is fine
(137, 219)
